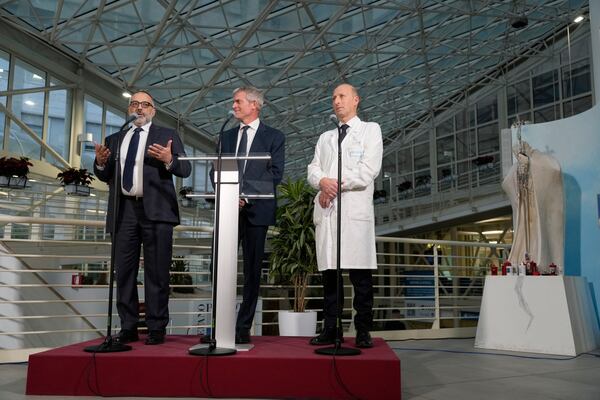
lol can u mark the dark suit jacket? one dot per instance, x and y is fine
(260, 175)
(160, 199)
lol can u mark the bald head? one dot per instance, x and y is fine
(345, 102)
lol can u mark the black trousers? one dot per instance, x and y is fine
(133, 230)
(362, 280)
(253, 248)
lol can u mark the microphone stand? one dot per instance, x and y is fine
(109, 345)
(337, 349)
(212, 349)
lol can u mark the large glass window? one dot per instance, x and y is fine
(488, 139)
(422, 156)
(547, 114)
(4, 68)
(545, 88)
(465, 144)
(518, 97)
(29, 108)
(445, 149)
(445, 127)
(114, 120)
(93, 125)
(405, 159)
(576, 106)
(487, 109)
(58, 134)
(200, 175)
(577, 79)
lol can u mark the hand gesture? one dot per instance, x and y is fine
(162, 153)
(102, 154)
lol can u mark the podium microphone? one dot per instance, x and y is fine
(130, 119)
(109, 345)
(230, 114)
(337, 349)
(333, 118)
(213, 349)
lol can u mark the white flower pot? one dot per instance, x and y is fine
(188, 203)
(78, 190)
(297, 323)
(16, 182)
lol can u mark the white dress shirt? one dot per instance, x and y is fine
(137, 189)
(251, 133)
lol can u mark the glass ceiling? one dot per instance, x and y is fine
(410, 59)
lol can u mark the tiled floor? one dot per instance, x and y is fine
(447, 369)
(454, 369)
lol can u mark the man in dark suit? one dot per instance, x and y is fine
(147, 211)
(253, 136)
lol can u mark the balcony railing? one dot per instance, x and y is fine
(54, 269)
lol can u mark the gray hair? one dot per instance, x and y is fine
(252, 94)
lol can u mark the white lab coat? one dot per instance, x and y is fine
(362, 151)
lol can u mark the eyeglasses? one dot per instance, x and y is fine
(144, 104)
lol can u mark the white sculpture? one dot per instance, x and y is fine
(534, 185)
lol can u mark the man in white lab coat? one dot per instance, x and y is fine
(362, 149)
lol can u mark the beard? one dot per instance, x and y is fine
(142, 120)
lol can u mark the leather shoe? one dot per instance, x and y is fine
(327, 336)
(363, 340)
(127, 336)
(155, 337)
(242, 337)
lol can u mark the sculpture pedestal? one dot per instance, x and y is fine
(537, 314)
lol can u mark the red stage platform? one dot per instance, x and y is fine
(277, 367)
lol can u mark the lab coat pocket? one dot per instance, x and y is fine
(354, 154)
(318, 212)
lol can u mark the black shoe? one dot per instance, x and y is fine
(242, 337)
(127, 336)
(363, 340)
(326, 337)
(155, 337)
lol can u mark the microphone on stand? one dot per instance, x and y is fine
(211, 340)
(130, 119)
(333, 118)
(109, 345)
(337, 349)
(230, 115)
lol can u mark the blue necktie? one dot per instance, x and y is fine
(130, 159)
(242, 150)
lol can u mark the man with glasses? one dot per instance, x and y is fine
(147, 212)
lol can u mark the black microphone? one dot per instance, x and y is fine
(130, 119)
(230, 114)
(333, 118)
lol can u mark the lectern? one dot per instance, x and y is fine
(225, 246)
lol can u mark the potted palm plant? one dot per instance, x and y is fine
(76, 181)
(13, 172)
(293, 255)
